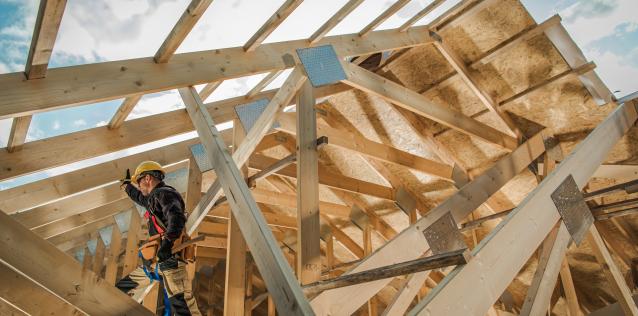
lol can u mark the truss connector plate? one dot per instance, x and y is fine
(249, 113)
(444, 236)
(572, 208)
(201, 159)
(322, 65)
(405, 201)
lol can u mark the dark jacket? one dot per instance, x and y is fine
(166, 204)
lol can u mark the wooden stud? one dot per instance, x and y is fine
(271, 24)
(18, 133)
(194, 190)
(334, 20)
(87, 260)
(308, 247)
(132, 238)
(113, 255)
(98, 258)
(269, 259)
(186, 22)
(401, 96)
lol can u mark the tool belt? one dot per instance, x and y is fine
(183, 247)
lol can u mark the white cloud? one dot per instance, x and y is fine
(101, 123)
(79, 123)
(56, 125)
(156, 103)
(589, 21)
(615, 70)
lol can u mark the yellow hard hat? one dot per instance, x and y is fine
(146, 166)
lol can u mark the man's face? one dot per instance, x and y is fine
(145, 184)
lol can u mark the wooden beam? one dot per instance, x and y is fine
(373, 149)
(421, 14)
(209, 88)
(252, 139)
(270, 77)
(76, 85)
(538, 208)
(113, 256)
(390, 11)
(334, 20)
(87, 259)
(186, 22)
(404, 297)
(194, 189)
(411, 244)
(60, 273)
(372, 83)
(461, 69)
(132, 238)
(7, 308)
(614, 276)
(308, 247)
(271, 24)
(272, 265)
(18, 133)
(235, 285)
(98, 258)
(45, 32)
(78, 232)
(124, 110)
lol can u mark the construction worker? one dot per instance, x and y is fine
(165, 213)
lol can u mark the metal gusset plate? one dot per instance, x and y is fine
(201, 158)
(572, 208)
(249, 113)
(405, 201)
(444, 236)
(322, 65)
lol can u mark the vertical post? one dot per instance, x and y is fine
(367, 250)
(98, 260)
(235, 288)
(132, 238)
(87, 260)
(113, 254)
(308, 246)
(271, 306)
(330, 256)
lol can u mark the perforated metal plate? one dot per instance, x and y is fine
(322, 65)
(201, 158)
(405, 201)
(572, 208)
(443, 235)
(249, 113)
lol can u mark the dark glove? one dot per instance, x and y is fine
(127, 178)
(165, 250)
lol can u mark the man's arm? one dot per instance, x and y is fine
(136, 195)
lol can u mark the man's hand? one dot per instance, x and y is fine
(127, 178)
(164, 252)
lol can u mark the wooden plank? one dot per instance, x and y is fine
(46, 190)
(272, 265)
(421, 14)
(77, 232)
(308, 247)
(271, 24)
(270, 77)
(60, 273)
(98, 258)
(404, 297)
(569, 289)
(21, 292)
(410, 100)
(240, 156)
(132, 238)
(45, 32)
(18, 133)
(614, 276)
(537, 208)
(9, 309)
(124, 110)
(82, 84)
(87, 260)
(390, 11)
(461, 69)
(186, 22)
(347, 8)
(113, 255)
(411, 244)
(373, 149)
(194, 189)
(209, 88)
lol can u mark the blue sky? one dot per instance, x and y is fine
(101, 30)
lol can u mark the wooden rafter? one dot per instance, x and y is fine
(334, 20)
(394, 8)
(271, 24)
(421, 14)
(18, 133)
(263, 83)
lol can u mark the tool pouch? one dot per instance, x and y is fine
(150, 247)
(186, 253)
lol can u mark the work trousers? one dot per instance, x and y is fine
(176, 284)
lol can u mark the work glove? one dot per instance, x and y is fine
(165, 250)
(127, 178)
